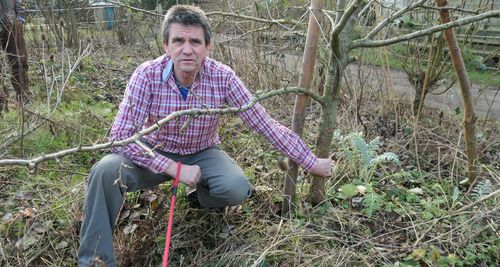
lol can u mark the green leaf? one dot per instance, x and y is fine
(349, 190)
(418, 254)
(456, 192)
(372, 202)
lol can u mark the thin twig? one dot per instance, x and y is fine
(490, 195)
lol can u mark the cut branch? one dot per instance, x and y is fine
(31, 163)
(365, 42)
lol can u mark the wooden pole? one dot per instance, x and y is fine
(306, 75)
(465, 86)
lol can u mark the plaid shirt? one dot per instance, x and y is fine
(152, 94)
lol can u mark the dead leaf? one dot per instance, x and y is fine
(27, 241)
(129, 229)
(135, 216)
(62, 244)
(361, 189)
(40, 227)
(28, 212)
(227, 230)
(416, 190)
(7, 217)
(23, 195)
(150, 197)
(263, 188)
(124, 214)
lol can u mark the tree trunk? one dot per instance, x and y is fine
(469, 115)
(306, 76)
(72, 26)
(327, 122)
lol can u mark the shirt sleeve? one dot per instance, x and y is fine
(259, 120)
(131, 116)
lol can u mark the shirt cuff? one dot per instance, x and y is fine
(309, 162)
(160, 163)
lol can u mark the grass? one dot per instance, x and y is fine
(407, 214)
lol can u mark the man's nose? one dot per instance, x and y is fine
(187, 49)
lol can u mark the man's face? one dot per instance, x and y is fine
(187, 48)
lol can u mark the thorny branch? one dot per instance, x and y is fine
(31, 163)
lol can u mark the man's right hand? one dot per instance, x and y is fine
(323, 167)
(190, 174)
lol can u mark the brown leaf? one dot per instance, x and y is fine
(28, 212)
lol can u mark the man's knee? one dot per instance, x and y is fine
(232, 191)
(108, 170)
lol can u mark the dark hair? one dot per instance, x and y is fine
(186, 15)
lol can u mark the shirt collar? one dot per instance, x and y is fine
(167, 71)
(169, 68)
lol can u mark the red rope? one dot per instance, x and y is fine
(171, 215)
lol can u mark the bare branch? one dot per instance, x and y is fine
(490, 195)
(396, 15)
(345, 17)
(456, 8)
(256, 19)
(135, 8)
(224, 14)
(31, 163)
(460, 22)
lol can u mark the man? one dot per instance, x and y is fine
(183, 78)
(12, 16)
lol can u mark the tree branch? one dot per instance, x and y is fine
(396, 15)
(32, 163)
(208, 14)
(345, 17)
(490, 195)
(136, 9)
(460, 22)
(256, 19)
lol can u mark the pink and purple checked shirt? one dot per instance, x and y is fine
(152, 94)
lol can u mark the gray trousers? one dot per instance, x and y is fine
(222, 183)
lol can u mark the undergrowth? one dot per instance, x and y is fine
(394, 199)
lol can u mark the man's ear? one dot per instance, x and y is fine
(209, 46)
(165, 47)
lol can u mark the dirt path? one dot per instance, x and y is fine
(487, 99)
